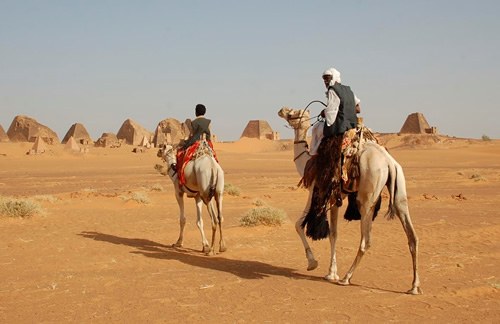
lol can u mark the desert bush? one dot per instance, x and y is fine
(157, 187)
(139, 196)
(13, 207)
(231, 189)
(161, 169)
(268, 216)
(258, 202)
(47, 198)
(485, 138)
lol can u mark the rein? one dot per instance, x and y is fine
(304, 110)
(306, 149)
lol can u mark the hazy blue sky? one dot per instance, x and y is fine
(101, 62)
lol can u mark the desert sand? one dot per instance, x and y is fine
(94, 256)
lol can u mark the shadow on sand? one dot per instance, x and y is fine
(242, 268)
(245, 269)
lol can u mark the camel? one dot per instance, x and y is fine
(204, 181)
(377, 170)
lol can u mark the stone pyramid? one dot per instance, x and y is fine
(3, 135)
(108, 140)
(415, 124)
(79, 134)
(132, 133)
(38, 147)
(27, 129)
(72, 145)
(145, 142)
(170, 127)
(259, 129)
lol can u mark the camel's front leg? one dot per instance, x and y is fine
(182, 218)
(332, 272)
(311, 261)
(199, 223)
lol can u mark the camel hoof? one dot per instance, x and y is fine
(222, 249)
(177, 245)
(331, 278)
(344, 282)
(206, 249)
(312, 265)
(415, 291)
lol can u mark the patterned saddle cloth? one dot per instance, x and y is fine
(351, 144)
(198, 149)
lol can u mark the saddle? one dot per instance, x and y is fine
(198, 149)
(352, 142)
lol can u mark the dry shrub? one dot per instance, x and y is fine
(13, 207)
(268, 216)
(231, 189)
(157, 187)
(259, 202)
(47, 198)
(139, 197)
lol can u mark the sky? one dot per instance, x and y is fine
(100, 62)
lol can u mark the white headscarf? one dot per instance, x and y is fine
(335, 75)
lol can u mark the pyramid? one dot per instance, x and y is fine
(27, 129)
(415, 124)
(159, 137)
(108, 140)
(79, 134)
(170, 127)
(259, 129)
(72, 145)
(145, 142)
(132, 132)
(38, 147)
(3, 135)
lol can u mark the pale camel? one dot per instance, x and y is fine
(377, 169)
(204, 181)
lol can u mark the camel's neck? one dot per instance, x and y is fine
(300, 150)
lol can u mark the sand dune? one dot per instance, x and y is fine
(96, 255)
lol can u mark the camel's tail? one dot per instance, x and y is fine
(213, 185)
(395, 173)
(214, 176)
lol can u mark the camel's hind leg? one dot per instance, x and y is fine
(311, 261)
(214, 221)
(402, 211)
(364, 245)
(332, 272)
(199, 223)
(220, 219)
(179, 196)
(404, 216)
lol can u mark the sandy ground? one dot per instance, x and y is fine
(96, 257)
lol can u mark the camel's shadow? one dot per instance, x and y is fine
(245, 269)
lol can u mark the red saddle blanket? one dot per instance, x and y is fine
(186, 155)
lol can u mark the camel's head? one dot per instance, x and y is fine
(296, 118)
(167, 154)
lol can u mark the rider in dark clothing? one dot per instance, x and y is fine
(200, 125)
